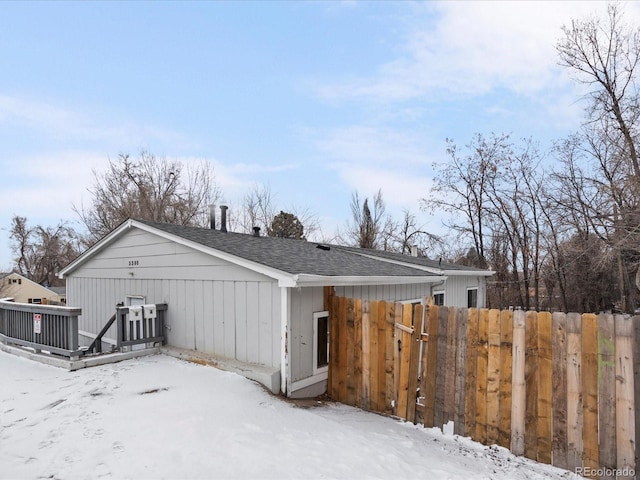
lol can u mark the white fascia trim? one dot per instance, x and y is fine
(469, 273)
(307, 280)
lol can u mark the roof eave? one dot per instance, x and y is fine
(469, 273)
(308, 280)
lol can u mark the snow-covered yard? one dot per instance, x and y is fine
(158, 417)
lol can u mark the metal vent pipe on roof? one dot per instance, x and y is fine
(212, 216)
(223, 218)
(256, 231)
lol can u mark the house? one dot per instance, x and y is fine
(255, 300)
(22, 290)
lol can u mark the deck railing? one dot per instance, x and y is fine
(140, 325)
(41, 327)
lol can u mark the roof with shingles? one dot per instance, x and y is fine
(292, 256)
(421, 261)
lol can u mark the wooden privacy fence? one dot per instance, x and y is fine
(557, 388)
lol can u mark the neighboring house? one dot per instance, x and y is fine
(21, 289)
(253, 299)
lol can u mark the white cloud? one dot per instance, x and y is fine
(61, 122)
(472, 48)
(49, 184)
(235, 180)
(368, 158)
(371, 145)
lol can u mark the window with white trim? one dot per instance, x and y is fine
(134, 300)
(320, 342)
(438, 298)
(472, 297)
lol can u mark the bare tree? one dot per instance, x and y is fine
(461, 187)
(367, 226)
(41, 252)
(604, 55)
(407, 233)
(148, 188)
(259, 209)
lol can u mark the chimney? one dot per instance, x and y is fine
(256, 231)
(223, 218)
(212, 216)
(414, 250)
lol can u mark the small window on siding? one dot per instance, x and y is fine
(133, 300)
(438, 298)
(320, 342)
(472, 297)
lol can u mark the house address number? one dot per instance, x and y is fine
(134, 263)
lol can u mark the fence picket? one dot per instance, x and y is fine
(518, 400)
(462, 320)
(395, 338)
(382, 355)
(589, 347)
(431, 366)
(357, 354)
(472, 374)
(506, 348)
(559, 442)
(636, 386)
(574, 392)
(545, 387)
(625, 414)
(493, 377)
(342, 355)
(450, 368)
(351, 373)
(532, 378)
(438, 412)
(607, 393)
(373, 351)
(481, 392)
(366, 355)
(405, 357)
(389, 365)
(413, 363)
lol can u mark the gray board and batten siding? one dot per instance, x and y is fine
(213, 306)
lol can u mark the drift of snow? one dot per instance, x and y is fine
(158, 417)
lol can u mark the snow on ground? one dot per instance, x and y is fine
(158, 417)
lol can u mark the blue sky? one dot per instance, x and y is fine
(314, 99)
